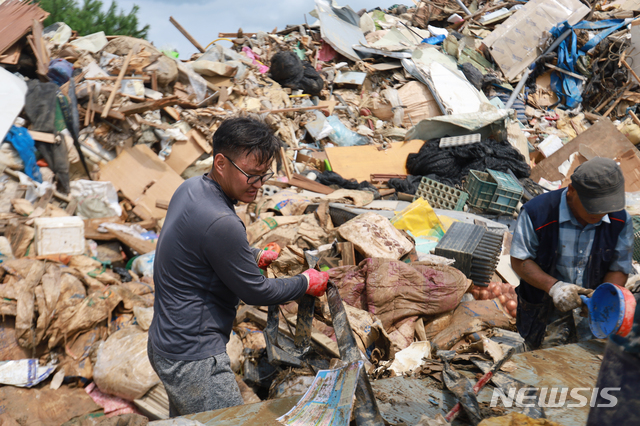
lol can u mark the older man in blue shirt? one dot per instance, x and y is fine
(566, 243)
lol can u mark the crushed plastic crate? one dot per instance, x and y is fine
(480, 189)
(507, 195)
(493, 191)
(441, 196)
(475, 249)
(636, 238)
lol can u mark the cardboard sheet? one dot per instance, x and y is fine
(514, 45)
(603, 140)
(143, 178)
(359, 162)
(419, 103)
(184, 153)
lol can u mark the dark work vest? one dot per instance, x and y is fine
(534, 305)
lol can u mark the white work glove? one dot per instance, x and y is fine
(566, 296)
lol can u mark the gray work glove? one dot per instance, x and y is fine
(566, 296)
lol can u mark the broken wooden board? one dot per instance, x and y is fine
(143, 178)
(308, 184)
(91, 227)
(42, 136)
(184, 153)
(149, 106)
(359, 162)
(137, 244)
(602, 139)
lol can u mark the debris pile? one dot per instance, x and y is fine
(402, 130)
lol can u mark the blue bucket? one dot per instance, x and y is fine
(606, 310)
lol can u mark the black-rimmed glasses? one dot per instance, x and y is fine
(251, 179)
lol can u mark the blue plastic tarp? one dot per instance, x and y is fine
(569, 88)
(22, 141)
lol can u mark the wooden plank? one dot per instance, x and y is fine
(141, 246)
(112, 113)
(162, 204)
(123, 70)
(42, 54)
(144, 78)
(42, 136)
(308, 184)
(150, 105)
(186, 34)
(359, 162)
(173, 113)
(12, 54)
(347, 253)
(604, 139)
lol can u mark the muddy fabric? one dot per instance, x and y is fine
(398, 293)
(197, 386)
(469, 318)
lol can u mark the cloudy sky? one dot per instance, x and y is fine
(204, 19)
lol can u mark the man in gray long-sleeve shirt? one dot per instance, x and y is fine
(204, 266)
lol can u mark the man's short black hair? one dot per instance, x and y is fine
(245, 135)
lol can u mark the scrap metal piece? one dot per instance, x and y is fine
(304, 322)
(277, 355)
(366, 409)
(461, 388)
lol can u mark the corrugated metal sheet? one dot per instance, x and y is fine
(406, 400)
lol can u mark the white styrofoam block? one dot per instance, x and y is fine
(59, 235)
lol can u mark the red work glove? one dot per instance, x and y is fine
(266, 258)
(268, 255)
(317, 282)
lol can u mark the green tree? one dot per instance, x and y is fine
(90, 18)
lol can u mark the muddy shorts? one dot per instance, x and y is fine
(197, 386)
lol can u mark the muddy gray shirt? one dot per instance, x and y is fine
(203, 267)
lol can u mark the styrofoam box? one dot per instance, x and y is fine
(59, 235)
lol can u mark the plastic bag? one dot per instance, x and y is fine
(122, 367)
(25, 146)
(143, 265)
(95, 199)
(342, 136)
(198, 85)
(24, 372)
(420, 219)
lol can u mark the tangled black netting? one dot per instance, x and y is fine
(332, 178)
(451, 165)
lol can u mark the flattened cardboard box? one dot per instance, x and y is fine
(514, 45)
(143, 178)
